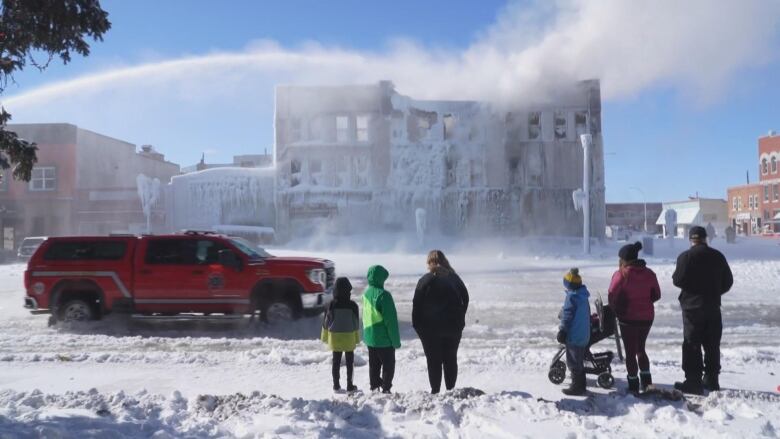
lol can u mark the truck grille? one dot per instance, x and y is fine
(330, 273)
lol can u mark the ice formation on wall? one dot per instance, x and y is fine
(226, 196)
(149, 193)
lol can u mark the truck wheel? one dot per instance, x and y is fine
(279, 312)
(76, 310)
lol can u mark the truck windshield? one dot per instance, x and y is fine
(247, 248)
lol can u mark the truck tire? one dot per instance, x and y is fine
(279, 311)
(76, 310)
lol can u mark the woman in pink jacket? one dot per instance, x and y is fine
(632, 292)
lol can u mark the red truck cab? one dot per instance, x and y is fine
(84, 278)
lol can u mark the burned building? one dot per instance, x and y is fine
(365, 158)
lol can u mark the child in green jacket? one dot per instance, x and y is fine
(380, 329)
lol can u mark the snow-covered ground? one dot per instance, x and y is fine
(225, 378)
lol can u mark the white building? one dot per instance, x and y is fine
(696, 212)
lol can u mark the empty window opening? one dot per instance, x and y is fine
(560, 125)
(581, 122)
(534, 125)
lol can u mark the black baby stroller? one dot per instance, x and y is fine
(603, 324)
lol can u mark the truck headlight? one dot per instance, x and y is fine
(318, 276)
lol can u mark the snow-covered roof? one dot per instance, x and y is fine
(685, 215)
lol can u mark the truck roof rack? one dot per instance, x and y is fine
(199, 232)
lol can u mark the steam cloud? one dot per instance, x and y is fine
(695, 46)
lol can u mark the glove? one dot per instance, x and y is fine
(561, 337)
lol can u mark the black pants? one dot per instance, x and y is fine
(381, 367)
(441, 352)
(701, 329)
(350, 356)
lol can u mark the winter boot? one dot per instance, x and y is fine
(351, 388)
(336, 386)
(633, 384)
(710, 382)
(693, 387)
(577, 387)
(645, 380)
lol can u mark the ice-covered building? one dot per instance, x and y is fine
(238, 201)
(364, 157)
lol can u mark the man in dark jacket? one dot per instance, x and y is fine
(439, 316)
(703, 275)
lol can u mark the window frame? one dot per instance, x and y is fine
(538, 125)
(342, 133)
(43, 179)
(362, 130)
(773, 164)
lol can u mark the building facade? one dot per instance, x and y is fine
(366, 158)
(695, 212)
(755, 208)
(769, 181)
(83, 183)
(634, 217)
(745, 211)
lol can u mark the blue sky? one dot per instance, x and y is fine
(666, 135)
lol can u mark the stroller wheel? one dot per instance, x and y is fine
(557, 372)
(605, 380)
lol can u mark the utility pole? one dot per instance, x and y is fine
(644, 201)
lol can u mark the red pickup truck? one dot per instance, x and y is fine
(85, 278)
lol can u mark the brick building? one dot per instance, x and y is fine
(769, 180)
(755, 208)
(83, 183)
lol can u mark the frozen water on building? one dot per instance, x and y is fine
(222, 196)
(361, 158)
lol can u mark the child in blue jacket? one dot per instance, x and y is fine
(574, 329)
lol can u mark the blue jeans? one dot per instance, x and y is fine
(575, 357)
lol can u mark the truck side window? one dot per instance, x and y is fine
(171, 251)
(208, 251)
(86, 251)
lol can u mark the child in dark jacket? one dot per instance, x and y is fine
(340, 331)
(574, 329)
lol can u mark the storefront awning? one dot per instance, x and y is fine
(685, 215)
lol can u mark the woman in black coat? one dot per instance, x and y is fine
(439, 315)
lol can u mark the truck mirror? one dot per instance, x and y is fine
(229, 259)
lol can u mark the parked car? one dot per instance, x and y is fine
(28, 247)
(85, 278)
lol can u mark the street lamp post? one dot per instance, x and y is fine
(587, 142)
(644, 201)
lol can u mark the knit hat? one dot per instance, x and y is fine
(572, 279)
(343, 288)
(630, 252)
(697, 232)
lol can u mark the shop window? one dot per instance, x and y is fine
(534, 125)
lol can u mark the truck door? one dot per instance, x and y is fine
(169, 276)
